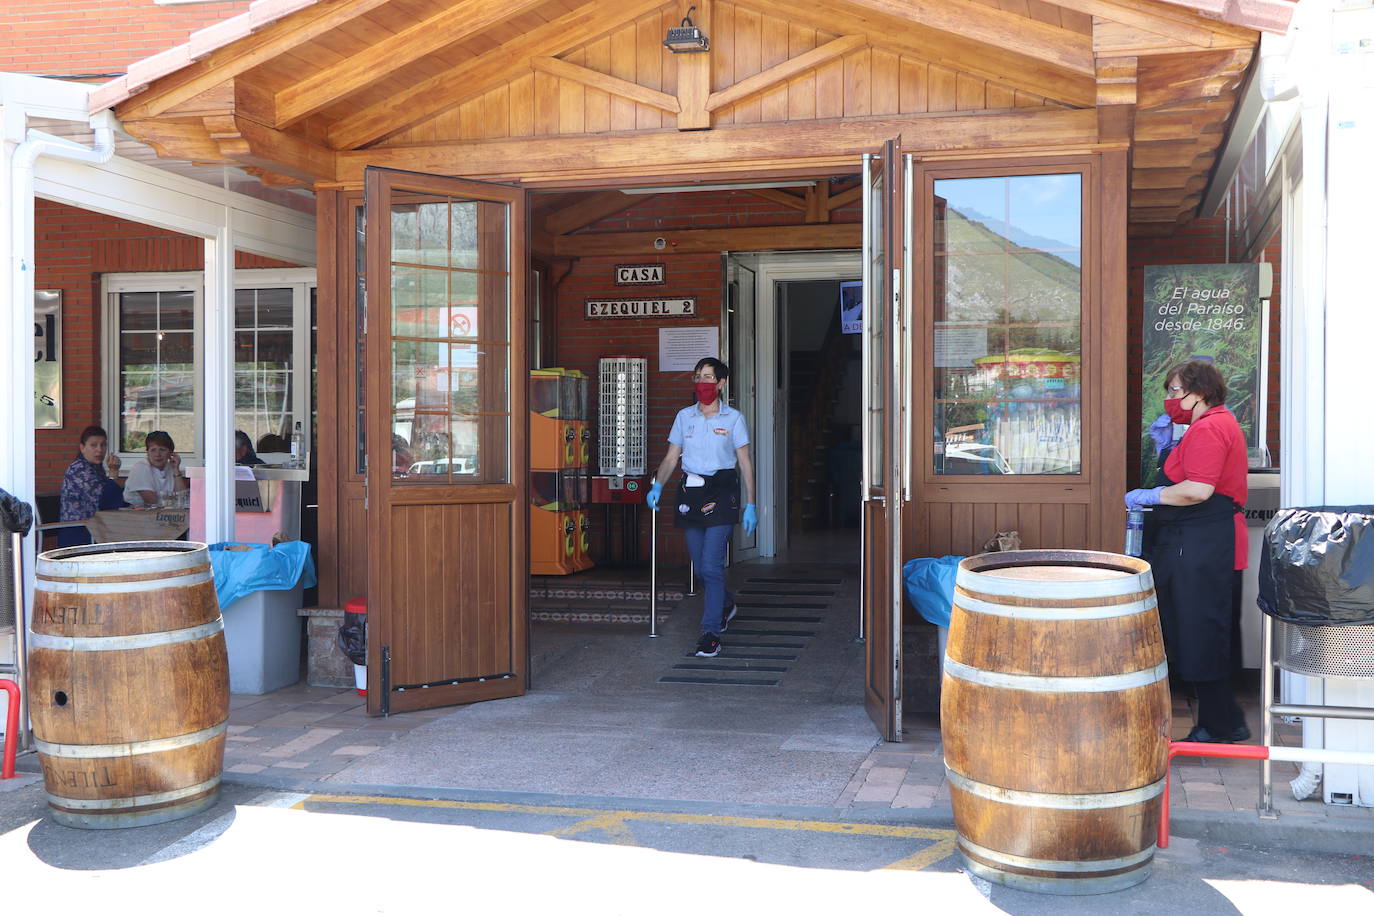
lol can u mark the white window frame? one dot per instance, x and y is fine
(301, 280)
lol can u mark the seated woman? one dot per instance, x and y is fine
(86, 488)
(157, 476)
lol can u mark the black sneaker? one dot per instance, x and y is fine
(728, 615)
(708, 646)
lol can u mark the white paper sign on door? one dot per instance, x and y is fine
(680, 348)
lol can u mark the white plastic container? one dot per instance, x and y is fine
(262, 633)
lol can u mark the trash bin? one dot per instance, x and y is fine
(353, 640)
(929, 583)
(1316, 580)
(259, 590)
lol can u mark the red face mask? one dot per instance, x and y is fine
(1177, 412)
(706, 392)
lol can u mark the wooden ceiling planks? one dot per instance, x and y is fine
(387, 73)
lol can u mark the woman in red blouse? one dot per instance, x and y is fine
(1196, 539)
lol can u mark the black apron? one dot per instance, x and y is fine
(714, 503)
(1192, 550)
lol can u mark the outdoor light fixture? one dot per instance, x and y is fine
(686, 38)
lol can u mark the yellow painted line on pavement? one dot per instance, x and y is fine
(614, 823)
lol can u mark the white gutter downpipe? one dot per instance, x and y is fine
(16, 410)
(17, 469)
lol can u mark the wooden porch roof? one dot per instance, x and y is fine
(309, 92)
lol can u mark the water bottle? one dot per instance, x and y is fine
(1135, 532)
(296, 457)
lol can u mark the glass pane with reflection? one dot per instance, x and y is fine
(1008, 325)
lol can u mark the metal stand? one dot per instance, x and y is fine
(653, 574)
(691, 590)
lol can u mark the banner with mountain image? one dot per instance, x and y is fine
(1211, 311)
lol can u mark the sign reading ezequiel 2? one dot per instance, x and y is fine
(641, 308)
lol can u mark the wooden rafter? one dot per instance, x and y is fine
(1057, 47)
(784, 71)
(448, 90)
(947, 49)
(611, 84)
(1168, 21)
(587, 209)
(778, 196)
(234, 59)
(460, 21)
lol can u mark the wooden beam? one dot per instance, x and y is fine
(366, 67)
(988, 25)
(784, 71)
(818, 202)
(1160, 178)
(694, 72)
(452, 88)
(957, 52)
(845, 197)
(695, 241)
(257, 48)
(587, 209)
(612, 84)
(748, 149)
(248, 143)
(1116, 95)
(780, 197)
(1167, 20)
(175, 138)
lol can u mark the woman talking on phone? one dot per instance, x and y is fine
(712, 440)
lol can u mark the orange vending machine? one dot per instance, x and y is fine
(560, 444)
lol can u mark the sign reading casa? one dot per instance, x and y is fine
(638, 274)
(641, 308)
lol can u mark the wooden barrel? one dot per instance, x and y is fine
(1055, 719)
(128, 682)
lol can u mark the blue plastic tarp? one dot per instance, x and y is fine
(929, 585)
(250, 568)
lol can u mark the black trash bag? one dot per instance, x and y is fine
(353, 637)
(16, 516)
(1317, 567)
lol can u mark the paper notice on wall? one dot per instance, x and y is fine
(959, 347)
(680, 348)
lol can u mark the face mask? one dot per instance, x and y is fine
(706, 392)
(1177, 412)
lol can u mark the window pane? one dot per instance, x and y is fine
(450, 346)
(1008, 318)
(264, 362)
(156, 367)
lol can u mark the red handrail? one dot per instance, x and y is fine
(11, 728)
(1200, 749)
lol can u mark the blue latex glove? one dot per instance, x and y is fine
(651, 498)
(751, 520)
(1162, 432)
(1139, 499)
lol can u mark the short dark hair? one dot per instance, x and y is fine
(721, 370)
(1200, 377)
(158, 437)
(90, 431)
(241, 440)
(272, 443)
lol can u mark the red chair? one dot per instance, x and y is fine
(11, 728)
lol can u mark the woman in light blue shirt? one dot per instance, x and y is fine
(712, 440)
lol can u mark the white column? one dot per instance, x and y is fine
(1349, 210)
(16, 314)
(218, 361)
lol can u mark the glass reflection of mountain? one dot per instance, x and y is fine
(989, 277)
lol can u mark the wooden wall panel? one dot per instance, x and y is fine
(869, 81)
(940, 528)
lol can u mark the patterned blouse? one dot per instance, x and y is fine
(81, 487)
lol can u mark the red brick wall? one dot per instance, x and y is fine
(1202, 241)
(60, 37)
(73, 248)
